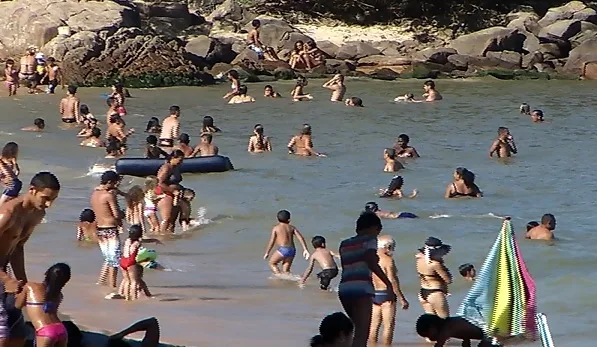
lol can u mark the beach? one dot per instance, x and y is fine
(219, 292)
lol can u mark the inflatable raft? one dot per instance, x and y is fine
(142, 167)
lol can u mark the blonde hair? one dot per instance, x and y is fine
(135, 195)
(151, 182)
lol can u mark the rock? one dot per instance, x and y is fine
(586, 15)
(435, 55)
(204, 6)
(587, 26)
(278, 34)
(165, 26)
(329, 48)
(561, 13)
(511, 57)
(288, 40)
(531, 42)
(491, 39)
(284, 73)
(170, 9)
(531, 59)
(586, 52)
(383, 60)
(388, 47)
(582, 37)
(221, 52)
(220, 68)
(28, 22)
(384, 74)
(246, 55)
(459, 61)
(335, 66)
(527, 21)
(563, 45)
(356, 50)
(550, 51)
(424, 70)
(379, 65)
(60, 45)
(228, 10)
(200, 46)
(544, 67)
(564, 29)
(462, 62)
(589, 71)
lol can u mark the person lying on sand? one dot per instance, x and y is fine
(150, 326)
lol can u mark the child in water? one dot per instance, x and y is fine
(11, 76)
(151, 199)
(133, 283)
(41, 300)
(441, 330)
(134, 206)
(186, 210)
(325, 259)
(392, 164)
(372, 206)
(467, 271)
(335, 330)
(153, 126)
(394, 189)
(298, 93)
(87, 228)
(38, 126)
(410, 97)
(283, 236)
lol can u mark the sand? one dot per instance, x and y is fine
(341, 34)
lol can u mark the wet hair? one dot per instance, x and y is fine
(242, 89)
(40, 123)
(429, 83)
(260, 138)
(45, 180)
(208, 121)
(110, 101)
(207, 137)
(87, 215)
(10, 62)
(134, 195)
(502, 130)
(395, 184)
(331, 328)
(301, 81)
(404, 138)
(306, 129)
(72, 90)
(318, 242)
(55, 279)
(391, 152)
(525, 108)
(10, 150)
(135, 232)
(548, 218)
(184, 138)
(96, 132)
(109, 177)
(233, 74)
(268, 86)
(532, 224)
(468, 177)
(358, 102)
(464, 269)
(538, 112)
(84, 109)
(174, 109)
(177, 154)
(283, 216)
(152, 140)
(371, 206)
(255, 23)
(367, 220)
(188, 194)
(410, 96)
(426, 323)
(152, 123)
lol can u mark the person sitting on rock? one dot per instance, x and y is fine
(254, 44)
(242, 96)
(313, 54)
(299, 57)
(297, 93)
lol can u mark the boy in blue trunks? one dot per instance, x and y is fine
(283, 236)
(325, 259)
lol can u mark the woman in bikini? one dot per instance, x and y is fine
(41, 301)
(169, 178)
(133, 283)
(259, 143)
(435, 277)
(234, 79)
(9, 172)
(463, 185)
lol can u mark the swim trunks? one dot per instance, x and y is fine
(31, 77)
(325, 277)
(14, 189)
(381, 296)
(68, 120)
(257, 50)
(52, 84)
(287, 252)
(166, 143)
(109, 242)
(12, 322)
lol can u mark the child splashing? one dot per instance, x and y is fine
(151, 200)
(134, 206)
(41, 301)
(133, 283)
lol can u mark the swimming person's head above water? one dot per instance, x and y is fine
(335, 330)
(354, 101)
(184, 138)
(283, 216)
(467, 271)
(39, 123)
(87, 215)
(525, 109)
(371, 206)
(549, 221)
(208, 121)
(537, 116)
(395, 184)
(306, 129)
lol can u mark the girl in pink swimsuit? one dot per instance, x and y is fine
(41, 301)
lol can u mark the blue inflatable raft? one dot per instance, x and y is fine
(142, 167)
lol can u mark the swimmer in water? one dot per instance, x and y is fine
(463, 185)
(94, 140)
(384, 308)
(38, 126)
(403, 150)
(442, 329)
(394, 190)
(241, 97)
(406, 98)
(431, 94)
(152, 151)
(335, 330)
(183, 145)
(537, 116)
(543, 231)
(531, 225)
(205, 148)
(259, 143)
(88, 125)
(85, 113)
(372, 206)
(354, 101)
(269, 92)
(114, 149)
(325, 259)
(208, 126)
(283, 237)
(234, 79)
(525, 109)
(153, 126)
(468, 272)
(87, 228)
(302, 144)
(503, 146)
(392, 165)
(337, 86)
(298, 93)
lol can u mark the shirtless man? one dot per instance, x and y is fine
(108, 217)
(504, 145)
(430, 93)
(384, 307)
(302, 143)
(283, 236)
(543, 231)
(205, 148)
(28, 69)
(116, 129)
(18, 219)
(253, 42)
(69, 107)
(336, 85)
(170, 129)
(183, 145)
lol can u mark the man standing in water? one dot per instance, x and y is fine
(543, 231)
(69, 106)
(18, 219)
(430, 93)
(28, 69)
(336, 85)
(170, 129)
(108, 218)
(503, 146)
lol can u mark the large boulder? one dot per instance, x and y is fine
(170, 9)
(586, 52)
(531, 42)
(165, 26)
(551, 51)
(583, 36)
(490, 39)
(586, 15)
(228, 10)
(278, 34)
(28, 22)
(378, 66)
(61, 45)
(199, 46)
(383, 60)
(527, 21)
(435, 55)
(463, 63)
(329, 48)
(355, 51)
(564, 29)
(387, 47)
(561, 13)
(514, 58)
(335, 66)
(221, 52)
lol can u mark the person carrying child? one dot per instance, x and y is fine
(133, 283)
(283, 236)
(325, 259)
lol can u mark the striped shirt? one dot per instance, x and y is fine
(356, 276)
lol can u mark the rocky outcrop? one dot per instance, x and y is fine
(490, 39)
(586, 52)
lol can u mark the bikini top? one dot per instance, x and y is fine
(456, 193)
(48, 306)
